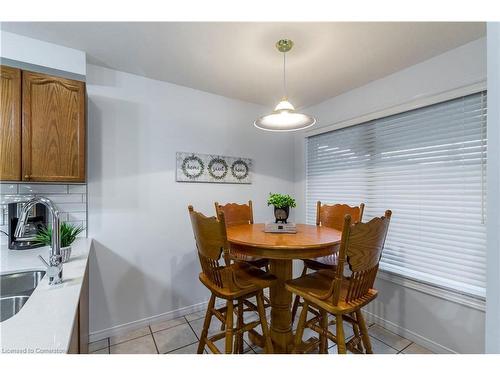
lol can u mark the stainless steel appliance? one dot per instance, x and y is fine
(37, 218)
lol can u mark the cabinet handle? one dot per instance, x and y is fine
(27, 176)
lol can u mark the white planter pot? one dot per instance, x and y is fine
(65, 253)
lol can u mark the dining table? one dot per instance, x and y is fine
(310, 241)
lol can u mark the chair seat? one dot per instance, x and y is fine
(322, 263)
(319, 283)
(254, 261)
(249, 279)
(327, 262)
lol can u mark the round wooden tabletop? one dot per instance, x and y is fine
(310, 241)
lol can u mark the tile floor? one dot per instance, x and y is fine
(181, 335)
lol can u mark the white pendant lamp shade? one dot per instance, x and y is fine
(284, 117)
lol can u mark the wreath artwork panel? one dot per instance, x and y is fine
(193, 167)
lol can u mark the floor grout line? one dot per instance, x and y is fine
(181, 347)
(154, 341)
(107, 346)
(164, 329)
(122, 342)
(375, 324)
(390, 346)
(91, 342)
(192, 329)
(385, 329)
(195, 334)
(406, 347)
(151, 333)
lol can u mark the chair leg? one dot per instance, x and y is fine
(296, 301)
(355, 329)
(341, 347)
(206, 324)
(263, 322)
(300, 327)
(239, 338)
(229, 327)
(364, 332)
(223, 325)
(295, 307)
(323, 344)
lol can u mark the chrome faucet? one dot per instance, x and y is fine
(54, 265)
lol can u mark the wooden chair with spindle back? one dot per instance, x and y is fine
(331, 216)
(229, 281)
(238, 214)
(343, 295)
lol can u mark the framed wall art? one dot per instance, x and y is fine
(193, 167)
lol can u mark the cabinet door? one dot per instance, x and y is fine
(53, 129)
(10, 124)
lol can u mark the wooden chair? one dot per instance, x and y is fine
(330, 292)
(331, 216)
(238, 214)
(233, 282)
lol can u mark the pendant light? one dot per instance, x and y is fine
(284, 118)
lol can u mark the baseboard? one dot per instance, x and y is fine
(127, 327)
(407, 334)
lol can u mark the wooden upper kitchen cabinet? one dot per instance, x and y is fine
(10, 124)
(53, 128)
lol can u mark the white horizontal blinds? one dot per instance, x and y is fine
(429, 167)
(336, 168)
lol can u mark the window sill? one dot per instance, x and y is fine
(473, 302)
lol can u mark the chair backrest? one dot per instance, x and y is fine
(211, 241)
(361, 247)
(235, 214)
(332, 216)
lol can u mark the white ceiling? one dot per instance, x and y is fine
(239, 60)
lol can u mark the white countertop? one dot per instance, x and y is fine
(45, 322)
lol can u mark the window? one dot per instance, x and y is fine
(428, 166)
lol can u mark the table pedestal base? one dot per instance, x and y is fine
(281, 304)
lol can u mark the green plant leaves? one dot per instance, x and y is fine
(281, 200)
(68, 234)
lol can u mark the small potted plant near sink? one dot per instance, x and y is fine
(68, 234)
(282, 204)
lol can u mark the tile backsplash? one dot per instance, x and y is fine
(70, 199)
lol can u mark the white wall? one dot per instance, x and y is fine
(36, 52)
(432, 321)
(145, 260)
(493, 270)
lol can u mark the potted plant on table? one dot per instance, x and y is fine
(282, 204)
(68, 234)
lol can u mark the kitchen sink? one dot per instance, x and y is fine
(15, 289)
